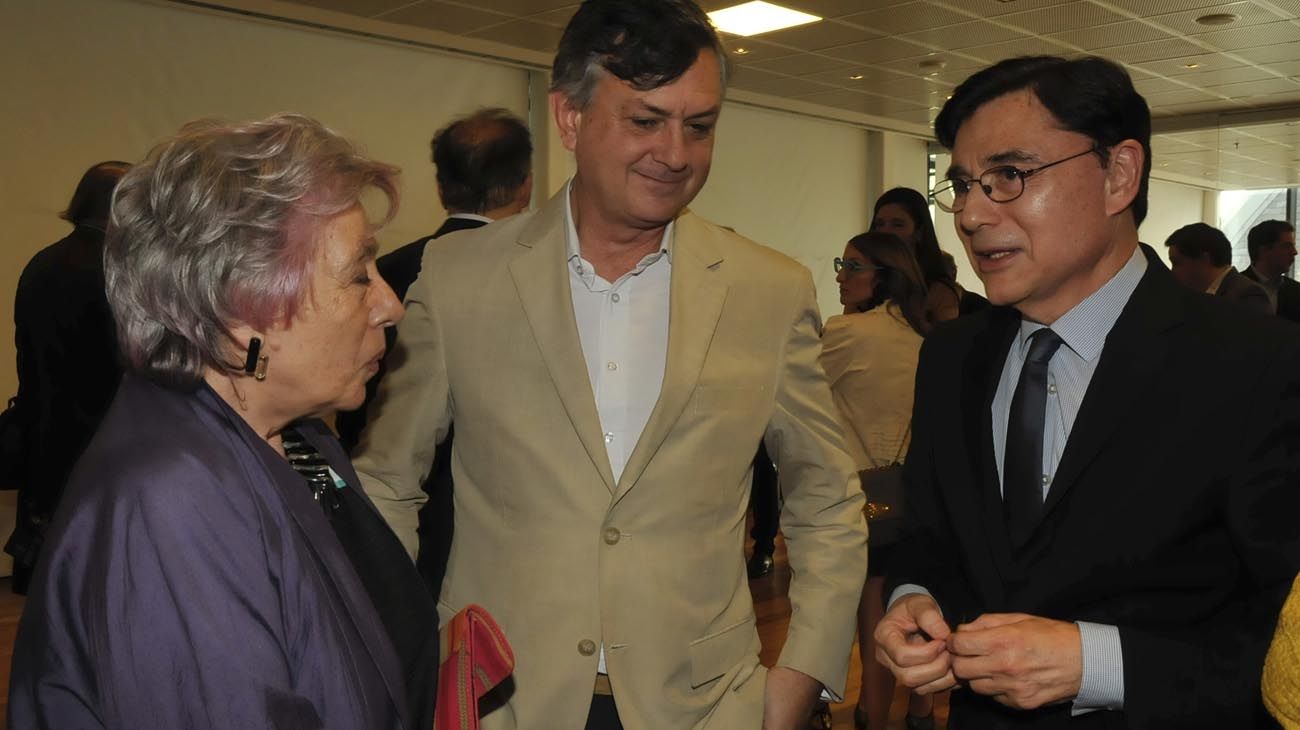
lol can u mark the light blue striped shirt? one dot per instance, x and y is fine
(1083, 330)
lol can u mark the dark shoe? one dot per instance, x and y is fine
(759, 565)
(859, 718)
(919, 723)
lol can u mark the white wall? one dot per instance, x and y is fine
(89, 80)
(1171, 206)
(793, 183)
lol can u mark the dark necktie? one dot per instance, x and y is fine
(1022, 480)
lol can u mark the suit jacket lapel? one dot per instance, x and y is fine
(262, 461)
(983, 370)
(1132, 358)
(541, 276)
(696, 298)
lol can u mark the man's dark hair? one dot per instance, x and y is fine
(647, 43)
(93, 197)
(482, 160)
(1195, 240)
(1264, 235)
(1090, 95)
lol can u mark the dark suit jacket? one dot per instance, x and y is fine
(1288, 295)
(67, 373)
(1240, 288)
(1173, 513)
(437, 525)
(191, 580)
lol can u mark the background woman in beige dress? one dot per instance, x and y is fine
(869, 354)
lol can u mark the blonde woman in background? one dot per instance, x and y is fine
(869, 354)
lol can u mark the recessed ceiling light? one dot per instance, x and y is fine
(932, 64)
(756, 17)
(741, 51)
(1191, 65)
(1217, 19)
(855, 77)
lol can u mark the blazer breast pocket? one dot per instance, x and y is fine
(713, 655)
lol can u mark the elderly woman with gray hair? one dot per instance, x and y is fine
(214, 563)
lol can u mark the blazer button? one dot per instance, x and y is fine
(586, 647)
(612, 536)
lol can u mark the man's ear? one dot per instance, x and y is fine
(1124, 175)
(568, 119)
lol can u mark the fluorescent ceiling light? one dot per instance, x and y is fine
(757, 17)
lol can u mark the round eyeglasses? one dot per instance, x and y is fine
(1002, 184)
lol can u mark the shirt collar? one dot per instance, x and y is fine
(574, 253)
(1084, 328)
(1218, 281)
(472, 217)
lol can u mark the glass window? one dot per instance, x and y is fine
(1241, 210)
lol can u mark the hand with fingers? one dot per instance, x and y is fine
(1021, 661)
(912, 642)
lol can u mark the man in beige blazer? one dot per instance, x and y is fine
(611, 363)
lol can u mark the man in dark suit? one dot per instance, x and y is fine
(1201, 260)
(1089, 547)
(1272, 253)
(68, 365)
(484, 172)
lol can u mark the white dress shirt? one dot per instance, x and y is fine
(623, 327)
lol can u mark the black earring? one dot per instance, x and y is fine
(254, 349)
(255, 363)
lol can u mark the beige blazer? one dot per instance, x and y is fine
(870, 359)
(651, 567)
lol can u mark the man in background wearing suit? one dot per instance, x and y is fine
(1090, 547)
(611, 362)
(1272, 253)
(1200, 259)
(484, 172)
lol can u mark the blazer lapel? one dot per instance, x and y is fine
(541, 276)
(983, 370)
(697, 293)
(1131, 359)
(262, 462)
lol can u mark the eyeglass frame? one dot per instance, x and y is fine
(854, 266)
(1021, 175)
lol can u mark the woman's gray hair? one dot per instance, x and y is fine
(217, 227)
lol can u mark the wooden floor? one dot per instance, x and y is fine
(770, 604)
(772, 608)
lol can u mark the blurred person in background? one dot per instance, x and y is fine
(67, 363)
(905, 213)
(870, 355)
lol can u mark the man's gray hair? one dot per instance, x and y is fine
(217, 227)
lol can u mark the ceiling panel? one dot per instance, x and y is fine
(816, 36)
(907, 18)
(444, 17)
(1060, 18)
(1112, 34)
(1265, 34)
(363, 8)
(1248, 14)
(1183, 68)
(802, 64)
(963, 35)
(522, 33)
